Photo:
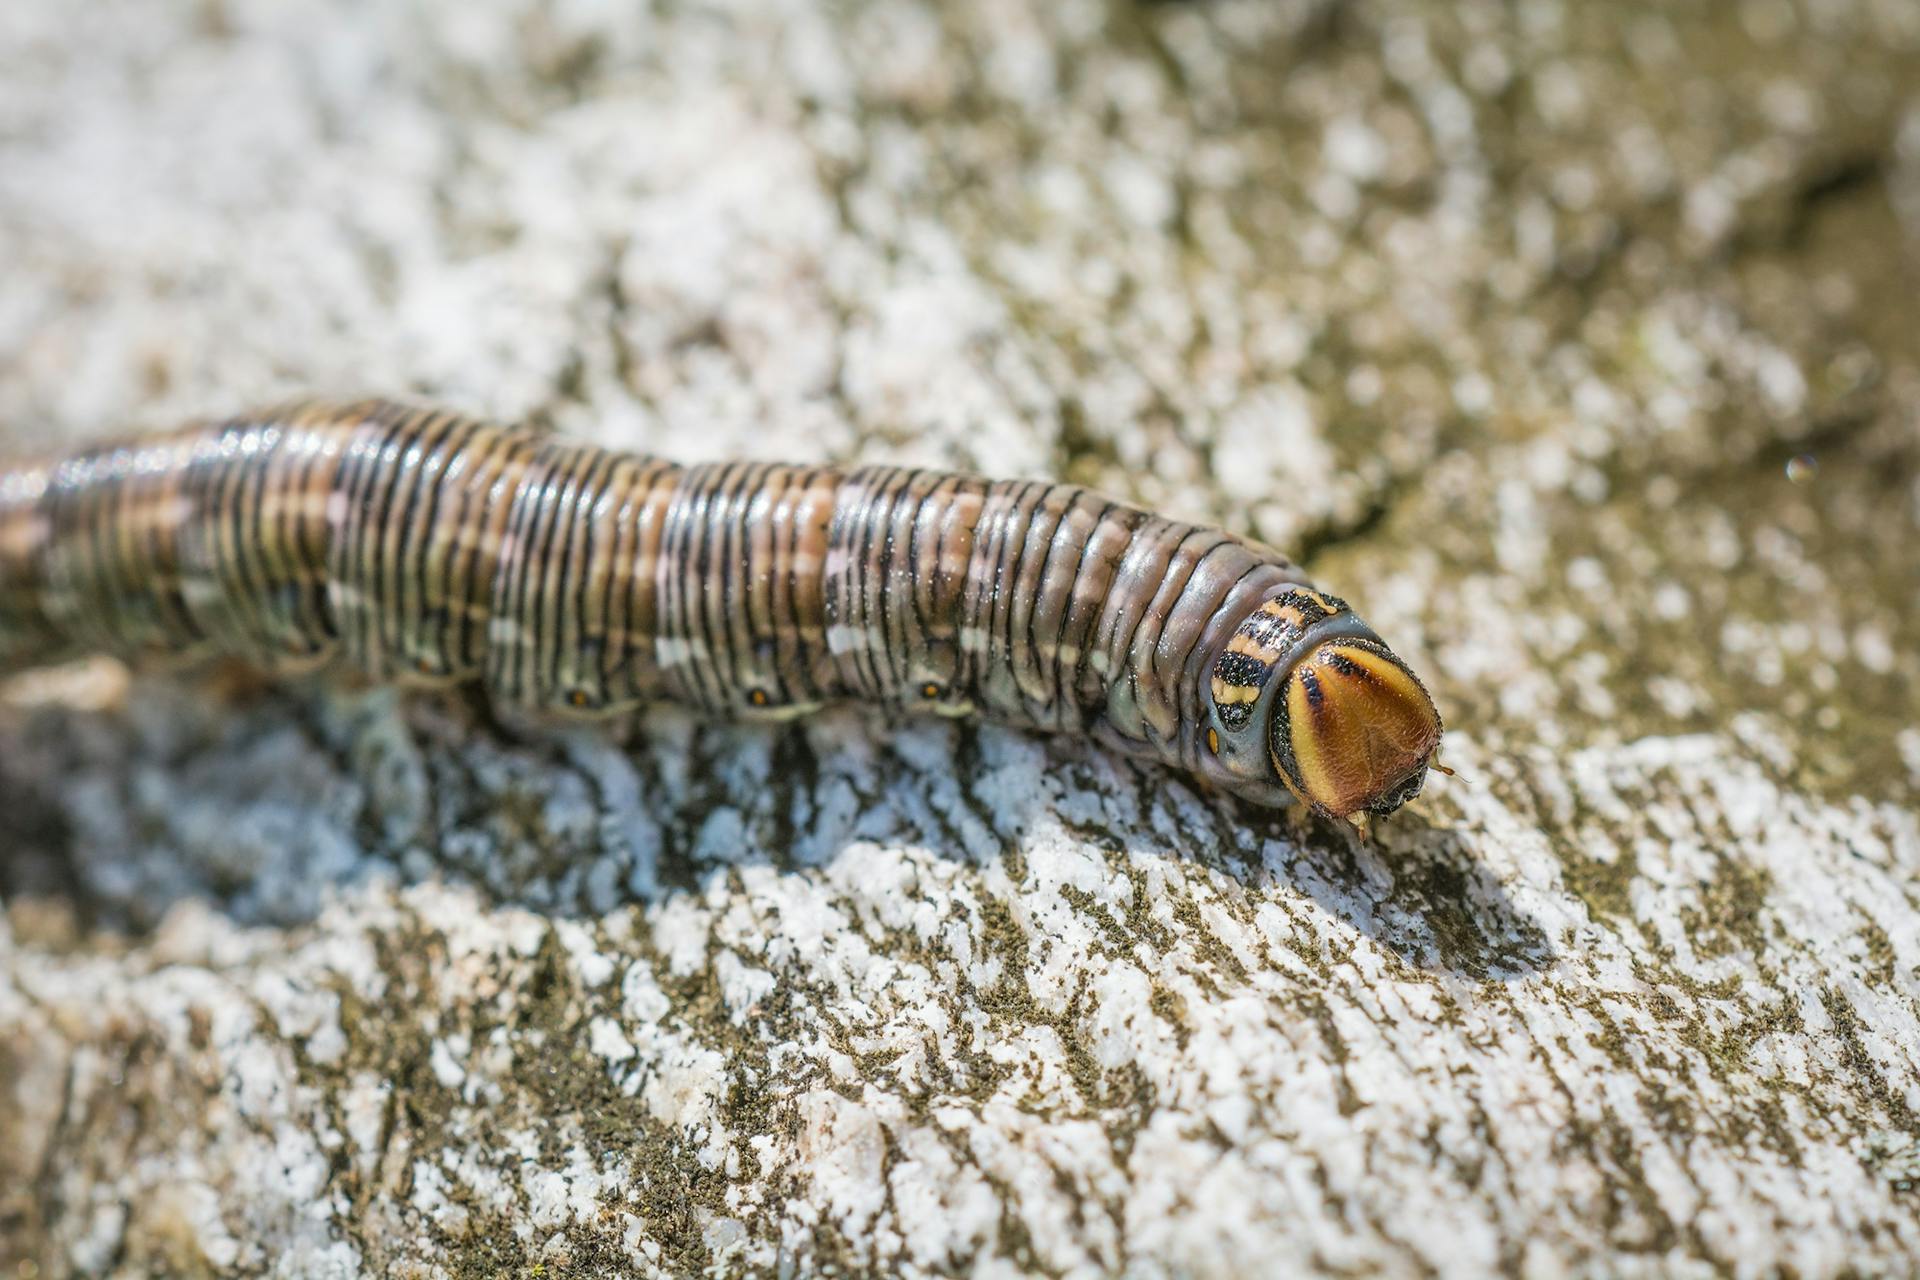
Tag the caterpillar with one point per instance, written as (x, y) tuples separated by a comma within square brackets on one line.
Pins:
[(426, 546)]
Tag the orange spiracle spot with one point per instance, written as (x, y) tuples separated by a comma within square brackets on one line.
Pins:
[(1361, 729)]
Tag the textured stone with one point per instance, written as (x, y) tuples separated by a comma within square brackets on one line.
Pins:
[(1573, 343)]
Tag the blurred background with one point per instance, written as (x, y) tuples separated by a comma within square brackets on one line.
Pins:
[(1576, 344)]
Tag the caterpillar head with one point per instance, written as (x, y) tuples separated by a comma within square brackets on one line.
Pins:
[(1305, 695)]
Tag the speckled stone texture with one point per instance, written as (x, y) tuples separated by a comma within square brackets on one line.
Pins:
[(1574, 342)]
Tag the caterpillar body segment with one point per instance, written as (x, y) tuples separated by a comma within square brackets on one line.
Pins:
[(423, 545)]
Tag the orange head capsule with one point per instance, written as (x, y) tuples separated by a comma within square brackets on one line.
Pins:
[(1353, 729), (1306, 696)]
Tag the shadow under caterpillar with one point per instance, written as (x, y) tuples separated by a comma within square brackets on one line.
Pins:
[(424, 545)]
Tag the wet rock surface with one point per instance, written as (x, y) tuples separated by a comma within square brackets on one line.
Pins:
[(1572, 343)]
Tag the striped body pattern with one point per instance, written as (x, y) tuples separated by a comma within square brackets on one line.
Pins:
[(426, 546)]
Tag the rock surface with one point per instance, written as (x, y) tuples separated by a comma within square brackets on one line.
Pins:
[(1574, 343)]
